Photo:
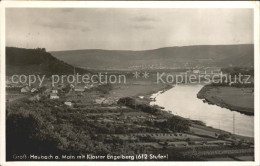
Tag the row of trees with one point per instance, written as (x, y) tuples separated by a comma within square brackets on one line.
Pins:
[(173, 123)]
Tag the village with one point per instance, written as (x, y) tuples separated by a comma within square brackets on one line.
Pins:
[(72, 91)]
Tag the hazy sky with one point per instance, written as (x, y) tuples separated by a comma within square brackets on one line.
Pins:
[(126, 29)]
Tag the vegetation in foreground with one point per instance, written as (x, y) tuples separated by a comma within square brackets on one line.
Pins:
[(47, 126), (41, 127)]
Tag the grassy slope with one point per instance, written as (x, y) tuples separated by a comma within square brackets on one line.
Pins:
[(239, 99)]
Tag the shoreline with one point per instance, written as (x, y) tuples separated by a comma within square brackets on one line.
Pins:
[(210, 99), (147, 97), (167, 87)]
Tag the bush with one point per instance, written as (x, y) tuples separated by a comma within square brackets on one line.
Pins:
[(25, 134), (104, 88), (130, 102)]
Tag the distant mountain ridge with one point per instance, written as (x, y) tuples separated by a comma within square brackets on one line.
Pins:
[(35, 61), (190, 56)]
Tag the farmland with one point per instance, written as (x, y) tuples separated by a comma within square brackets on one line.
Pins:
[(239, 99)]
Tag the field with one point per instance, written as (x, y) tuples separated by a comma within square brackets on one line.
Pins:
[(135, 90), (239, 99)]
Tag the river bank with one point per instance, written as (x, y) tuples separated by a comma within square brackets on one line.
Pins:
[(182, 101), (235, 99)]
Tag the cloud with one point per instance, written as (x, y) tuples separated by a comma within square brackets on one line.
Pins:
[(144, 19), (52, 24), (144, 27), (84, 29), (144, 22)]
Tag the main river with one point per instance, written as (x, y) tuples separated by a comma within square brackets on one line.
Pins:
[(182, 100)]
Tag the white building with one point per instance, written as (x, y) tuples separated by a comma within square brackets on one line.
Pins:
[(196, 71), (54, 91), (79, 89), (54, 96), (25, 89), (34, 90), (68, 103)]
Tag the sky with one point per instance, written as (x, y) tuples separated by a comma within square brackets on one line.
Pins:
[(126, 29)]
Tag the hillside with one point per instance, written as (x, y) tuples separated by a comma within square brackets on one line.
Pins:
[(35, 61), (170, 57)]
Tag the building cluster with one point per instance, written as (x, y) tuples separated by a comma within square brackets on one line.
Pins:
[(28, 89), (204, 71), (54, 94)]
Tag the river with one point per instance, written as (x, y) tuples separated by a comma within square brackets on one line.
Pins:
[(182, 100)]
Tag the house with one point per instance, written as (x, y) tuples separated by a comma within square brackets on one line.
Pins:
[(196, 71), (34, 90), (25, 89), (79, 89), (35, 98), (68, 103), (212, 70), (72, 86), (54, 91), (54, 96), (88, 86)]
